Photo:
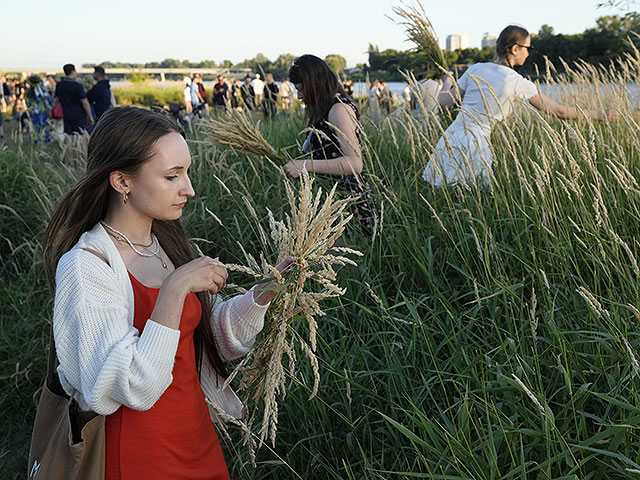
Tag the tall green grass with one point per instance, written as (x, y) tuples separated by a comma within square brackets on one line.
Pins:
[(143, 93), (488, 332)]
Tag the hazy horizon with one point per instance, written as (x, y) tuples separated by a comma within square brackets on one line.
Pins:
[(146, 31)]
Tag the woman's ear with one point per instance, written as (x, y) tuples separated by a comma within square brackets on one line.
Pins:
[(121, 182)]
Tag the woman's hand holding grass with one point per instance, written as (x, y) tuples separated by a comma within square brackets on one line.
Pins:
[(294, 168), (609, 114), (198, 275), (267, 291)]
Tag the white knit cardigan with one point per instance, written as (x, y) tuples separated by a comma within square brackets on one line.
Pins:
[(105, 362)]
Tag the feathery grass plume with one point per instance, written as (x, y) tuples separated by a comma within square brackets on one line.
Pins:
[(224, 418), (419, 30), (236, 131), (529, 394), (308, 234)]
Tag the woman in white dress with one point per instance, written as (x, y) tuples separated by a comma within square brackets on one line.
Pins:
[(374, 99), (488, 92)]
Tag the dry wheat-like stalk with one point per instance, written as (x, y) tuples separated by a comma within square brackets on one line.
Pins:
[(419, 30), (236, 131), (308, 234)]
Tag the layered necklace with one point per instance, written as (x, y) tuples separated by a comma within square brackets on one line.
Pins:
[(121, 237)]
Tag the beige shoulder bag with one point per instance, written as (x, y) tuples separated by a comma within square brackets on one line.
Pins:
[(67, 443)]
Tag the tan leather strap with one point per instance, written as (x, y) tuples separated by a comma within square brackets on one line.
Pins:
[(97, 254)]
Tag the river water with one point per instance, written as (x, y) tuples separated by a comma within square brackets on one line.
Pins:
[(361, 89), (553, 90)]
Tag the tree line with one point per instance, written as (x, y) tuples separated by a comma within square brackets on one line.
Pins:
[(260, 63), (603, 44), (607, 41)]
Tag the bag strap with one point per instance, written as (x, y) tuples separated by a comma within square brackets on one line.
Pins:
[(51, 358), (53, 381)]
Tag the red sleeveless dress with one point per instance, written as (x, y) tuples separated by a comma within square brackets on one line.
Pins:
[(175, 439)]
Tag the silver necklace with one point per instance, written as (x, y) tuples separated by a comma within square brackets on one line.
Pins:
[(121, 236)]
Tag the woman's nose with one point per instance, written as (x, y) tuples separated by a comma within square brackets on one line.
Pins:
[(188, 190)]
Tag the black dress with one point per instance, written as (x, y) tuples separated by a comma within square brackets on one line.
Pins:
[(323, 144)]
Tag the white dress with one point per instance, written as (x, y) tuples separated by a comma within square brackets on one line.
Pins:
[(374, 101), (464, 150)]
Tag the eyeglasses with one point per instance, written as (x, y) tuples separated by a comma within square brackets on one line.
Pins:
[(529, 48)]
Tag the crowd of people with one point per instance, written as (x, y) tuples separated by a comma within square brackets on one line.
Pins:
[(47, 108), (253, 94), (421, 96), (27, 101)]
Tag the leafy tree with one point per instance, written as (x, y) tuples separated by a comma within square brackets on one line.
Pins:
[(621, 4), (207, 64), (261, 59), (545, 32), (336, 62)]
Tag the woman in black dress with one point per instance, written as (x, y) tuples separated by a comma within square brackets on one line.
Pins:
[(334, 140)]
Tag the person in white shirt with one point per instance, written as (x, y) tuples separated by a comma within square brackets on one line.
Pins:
[(258, 90), (115, 240), (186, 93), (466, 153), (407, 96), (374, 98)]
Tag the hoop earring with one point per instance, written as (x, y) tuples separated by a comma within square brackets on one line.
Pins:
[(125, 198)]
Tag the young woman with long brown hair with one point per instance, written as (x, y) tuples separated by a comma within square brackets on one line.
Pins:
[(333, 142), (139, 336)]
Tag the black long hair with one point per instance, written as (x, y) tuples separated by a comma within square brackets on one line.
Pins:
[(320, 85), (123, 140)]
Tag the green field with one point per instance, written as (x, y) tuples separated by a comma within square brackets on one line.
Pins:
[(144, 93), (486, 334)]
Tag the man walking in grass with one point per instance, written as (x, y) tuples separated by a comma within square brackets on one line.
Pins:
[(76, 111), (258, 90), (100, 94), (271, 93), (220, 93), (246, 91)]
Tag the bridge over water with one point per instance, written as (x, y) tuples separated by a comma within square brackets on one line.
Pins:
[(161, 74)]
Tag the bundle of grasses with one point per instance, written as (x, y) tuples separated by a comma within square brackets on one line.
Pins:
[(236, 131), (308, 235), (419, 30)]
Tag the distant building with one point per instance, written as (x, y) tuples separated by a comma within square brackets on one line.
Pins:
[(456, 41), (488, 40)]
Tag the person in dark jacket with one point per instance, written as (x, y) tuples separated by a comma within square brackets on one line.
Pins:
[(271, 94), (248, 97), (100, 95)]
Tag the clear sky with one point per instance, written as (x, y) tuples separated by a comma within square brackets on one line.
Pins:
[(38, 33)]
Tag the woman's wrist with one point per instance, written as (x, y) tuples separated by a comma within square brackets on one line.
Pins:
[(174, 288), (264, 293), (167, 310)]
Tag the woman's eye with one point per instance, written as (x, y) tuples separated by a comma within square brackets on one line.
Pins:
[(172, 177)]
